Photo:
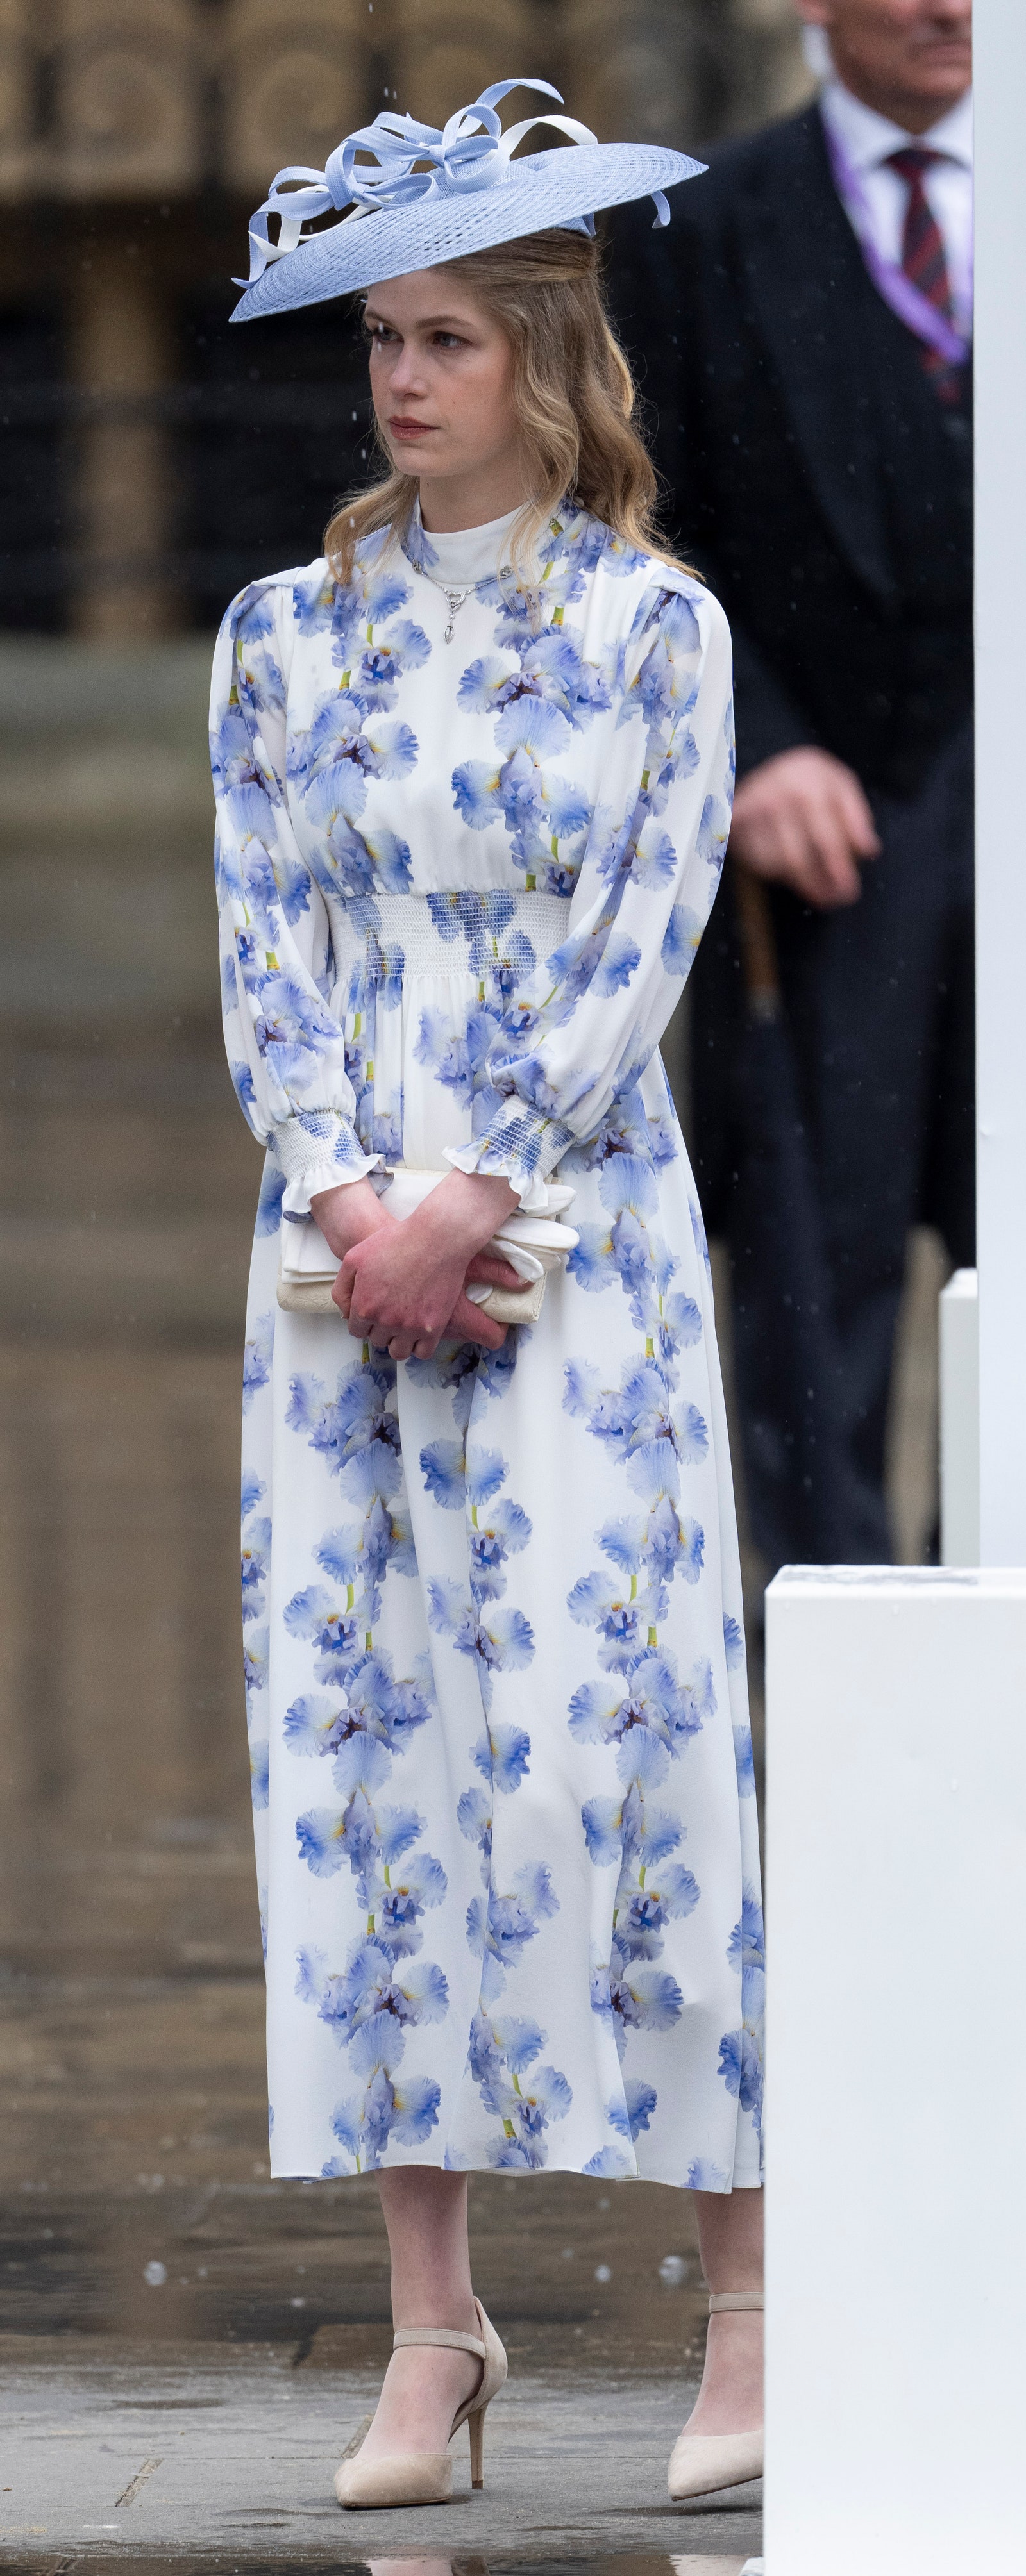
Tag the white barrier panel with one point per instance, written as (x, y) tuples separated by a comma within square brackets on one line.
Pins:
[(960, 1420), (896, 2253)]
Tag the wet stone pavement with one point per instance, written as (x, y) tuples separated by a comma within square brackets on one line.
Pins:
[(186, 2346)]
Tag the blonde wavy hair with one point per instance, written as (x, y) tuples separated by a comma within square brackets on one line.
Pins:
[(574, 397)]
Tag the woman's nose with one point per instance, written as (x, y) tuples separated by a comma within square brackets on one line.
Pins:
[(407, 373)]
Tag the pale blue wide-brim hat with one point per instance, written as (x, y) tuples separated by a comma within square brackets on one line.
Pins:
[(409, 196)]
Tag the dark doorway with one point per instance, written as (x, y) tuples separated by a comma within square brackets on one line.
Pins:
[(33, 487)]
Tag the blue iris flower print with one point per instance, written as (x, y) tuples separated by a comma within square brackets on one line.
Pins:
[(502, 1755), (256, 1364), (233, 753), (363, 606), (256, 1551), (259, 1768), (500, 1926), (744, 1760), (741, 2064), (390, 2106), (333, 1627), (634, 1994), (705, 2175), (376, 1979), (360, 1414), (634, 2113), (713, 833), (609, 2163), (681, 940), (644, 1693), (272, 1191), (544, 814), (481, 919), (523, 2096), (502, 1641), (474, 1815), (255, 1652), (386, 1989), (361, 862), (350, 744), (467, 1371), (272, 890), (733, 1642), (456, 1050), (620, 1251), (384, 663), (291, 1026)]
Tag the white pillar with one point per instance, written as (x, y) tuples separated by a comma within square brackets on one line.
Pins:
[(960, 1420), (896, 2246), (1000, 87)]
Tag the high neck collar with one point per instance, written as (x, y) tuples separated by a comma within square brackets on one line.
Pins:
[(462, 556)]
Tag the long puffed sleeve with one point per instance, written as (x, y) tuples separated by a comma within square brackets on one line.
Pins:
[(285, 1046), (582, 1029)]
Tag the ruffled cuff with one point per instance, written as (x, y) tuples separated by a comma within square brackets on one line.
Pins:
[(522, 1147), (318, 1150)]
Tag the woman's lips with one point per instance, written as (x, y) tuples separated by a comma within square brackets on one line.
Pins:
[(410, 428)]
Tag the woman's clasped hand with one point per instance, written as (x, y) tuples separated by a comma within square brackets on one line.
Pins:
[(402, 1283)]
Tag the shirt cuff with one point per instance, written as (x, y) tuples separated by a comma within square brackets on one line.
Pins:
[(318, 1150), (522, 1147)]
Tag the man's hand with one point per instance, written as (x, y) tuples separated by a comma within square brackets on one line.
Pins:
[(802, 821), (402, 1285)]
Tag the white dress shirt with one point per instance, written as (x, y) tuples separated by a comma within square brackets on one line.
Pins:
[(867, 140)]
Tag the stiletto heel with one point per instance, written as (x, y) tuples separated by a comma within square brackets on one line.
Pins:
[(703, 2462), (425, 2477)]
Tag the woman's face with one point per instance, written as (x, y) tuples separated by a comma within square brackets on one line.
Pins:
[(441, 378)]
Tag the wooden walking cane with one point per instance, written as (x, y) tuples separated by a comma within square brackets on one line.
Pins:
[(758, 945), (784, 1300)]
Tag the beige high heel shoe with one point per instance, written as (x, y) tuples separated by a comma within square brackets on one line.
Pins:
[(425, 2477), (702, 2462)]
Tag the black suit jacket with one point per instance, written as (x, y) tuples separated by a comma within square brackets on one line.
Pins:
[(816, 480)]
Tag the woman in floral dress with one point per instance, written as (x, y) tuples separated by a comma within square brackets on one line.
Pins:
[(474, 771)]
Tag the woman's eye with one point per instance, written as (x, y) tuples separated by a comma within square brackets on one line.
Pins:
[(448, 340)]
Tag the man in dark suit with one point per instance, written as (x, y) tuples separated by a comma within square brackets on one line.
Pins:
[(803, 335)]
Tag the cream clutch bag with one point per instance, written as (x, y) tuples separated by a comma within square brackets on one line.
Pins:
[(533, 1245)]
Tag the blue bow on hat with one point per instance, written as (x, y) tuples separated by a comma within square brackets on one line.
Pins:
[(438, 194), (469, 151)]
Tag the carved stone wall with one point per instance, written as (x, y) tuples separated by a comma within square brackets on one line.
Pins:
[(144, 99), (290, 82)]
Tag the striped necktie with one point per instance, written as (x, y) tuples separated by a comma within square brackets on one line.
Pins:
[(923, 257)]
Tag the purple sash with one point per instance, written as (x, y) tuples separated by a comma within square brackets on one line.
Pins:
[(911, 306)]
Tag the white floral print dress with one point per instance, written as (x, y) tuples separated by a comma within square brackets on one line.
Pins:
[(502, 1773)]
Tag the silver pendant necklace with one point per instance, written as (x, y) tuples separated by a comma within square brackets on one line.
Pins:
[(456, 599)]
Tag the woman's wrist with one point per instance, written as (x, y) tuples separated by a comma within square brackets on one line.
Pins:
[(347, 1214), (466, 1209)]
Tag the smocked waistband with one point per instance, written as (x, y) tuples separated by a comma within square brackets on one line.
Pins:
[(463, 933)]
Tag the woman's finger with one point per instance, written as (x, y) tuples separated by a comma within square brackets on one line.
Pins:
[(499, 1274), (467, 1323)]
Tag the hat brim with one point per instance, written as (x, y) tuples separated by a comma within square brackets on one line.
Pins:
[(542, 191)]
